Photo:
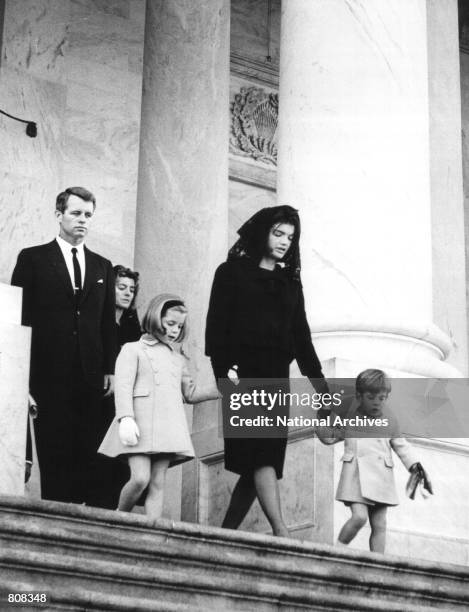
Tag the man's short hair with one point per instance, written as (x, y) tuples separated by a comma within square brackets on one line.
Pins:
[(372, 381), (62, 199)]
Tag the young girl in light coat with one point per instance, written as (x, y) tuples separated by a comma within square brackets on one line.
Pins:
[(366, 482), (150, 426)]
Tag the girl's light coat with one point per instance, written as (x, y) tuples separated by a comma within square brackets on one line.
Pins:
[(151, 381)]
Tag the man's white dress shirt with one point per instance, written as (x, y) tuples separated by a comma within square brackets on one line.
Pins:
[(66, 249)]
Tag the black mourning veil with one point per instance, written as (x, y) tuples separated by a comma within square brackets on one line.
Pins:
[(253, 236)]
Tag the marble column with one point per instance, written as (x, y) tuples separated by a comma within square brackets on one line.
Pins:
[(364, 109), (14, 382), (446, 180), (370, 153), (182, 204)]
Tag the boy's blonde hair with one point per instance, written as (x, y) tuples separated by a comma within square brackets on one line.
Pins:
[(372, 381)]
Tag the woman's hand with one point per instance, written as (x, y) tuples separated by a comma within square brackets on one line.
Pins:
[(128, 431), (233, 374), (108, 388), (320, 386)]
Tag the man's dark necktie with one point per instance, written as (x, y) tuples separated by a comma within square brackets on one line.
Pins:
[(76, 273)]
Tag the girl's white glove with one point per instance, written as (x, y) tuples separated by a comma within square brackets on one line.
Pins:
[(128, 431)]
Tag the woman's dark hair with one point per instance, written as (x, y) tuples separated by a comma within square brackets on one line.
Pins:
[(123, 272), (254, 235)]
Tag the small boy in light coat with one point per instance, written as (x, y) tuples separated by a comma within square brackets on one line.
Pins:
[(366, 482)]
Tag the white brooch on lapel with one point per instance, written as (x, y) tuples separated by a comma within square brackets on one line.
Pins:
[(100, 281)]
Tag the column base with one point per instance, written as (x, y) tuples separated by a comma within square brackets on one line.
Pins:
[(401, 349)]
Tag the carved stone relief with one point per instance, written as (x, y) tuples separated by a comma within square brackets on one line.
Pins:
[(254, 118)]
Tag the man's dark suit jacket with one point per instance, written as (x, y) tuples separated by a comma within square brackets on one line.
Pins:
[(49, 307), (73, 346)]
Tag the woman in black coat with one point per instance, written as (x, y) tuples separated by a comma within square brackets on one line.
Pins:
[(257, 324)]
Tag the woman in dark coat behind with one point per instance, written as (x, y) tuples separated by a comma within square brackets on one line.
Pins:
[(127, 324), (115, 473), (257, 323)]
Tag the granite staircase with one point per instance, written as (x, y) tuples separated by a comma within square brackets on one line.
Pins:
[(91, 559)]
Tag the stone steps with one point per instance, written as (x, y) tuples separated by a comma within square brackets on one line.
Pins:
[(91, 559)]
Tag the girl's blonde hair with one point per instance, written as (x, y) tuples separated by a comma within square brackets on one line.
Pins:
[(156, 310)]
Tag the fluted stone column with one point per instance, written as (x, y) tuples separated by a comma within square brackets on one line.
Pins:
[(370, 152), (181, 230)]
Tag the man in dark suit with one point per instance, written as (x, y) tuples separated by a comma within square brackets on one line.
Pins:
[(69, 301)]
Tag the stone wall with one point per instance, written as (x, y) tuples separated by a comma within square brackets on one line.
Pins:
[(74, 67), (255, 54)]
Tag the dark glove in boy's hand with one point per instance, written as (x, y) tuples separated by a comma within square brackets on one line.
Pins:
[(27, 471), (418, 469)]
